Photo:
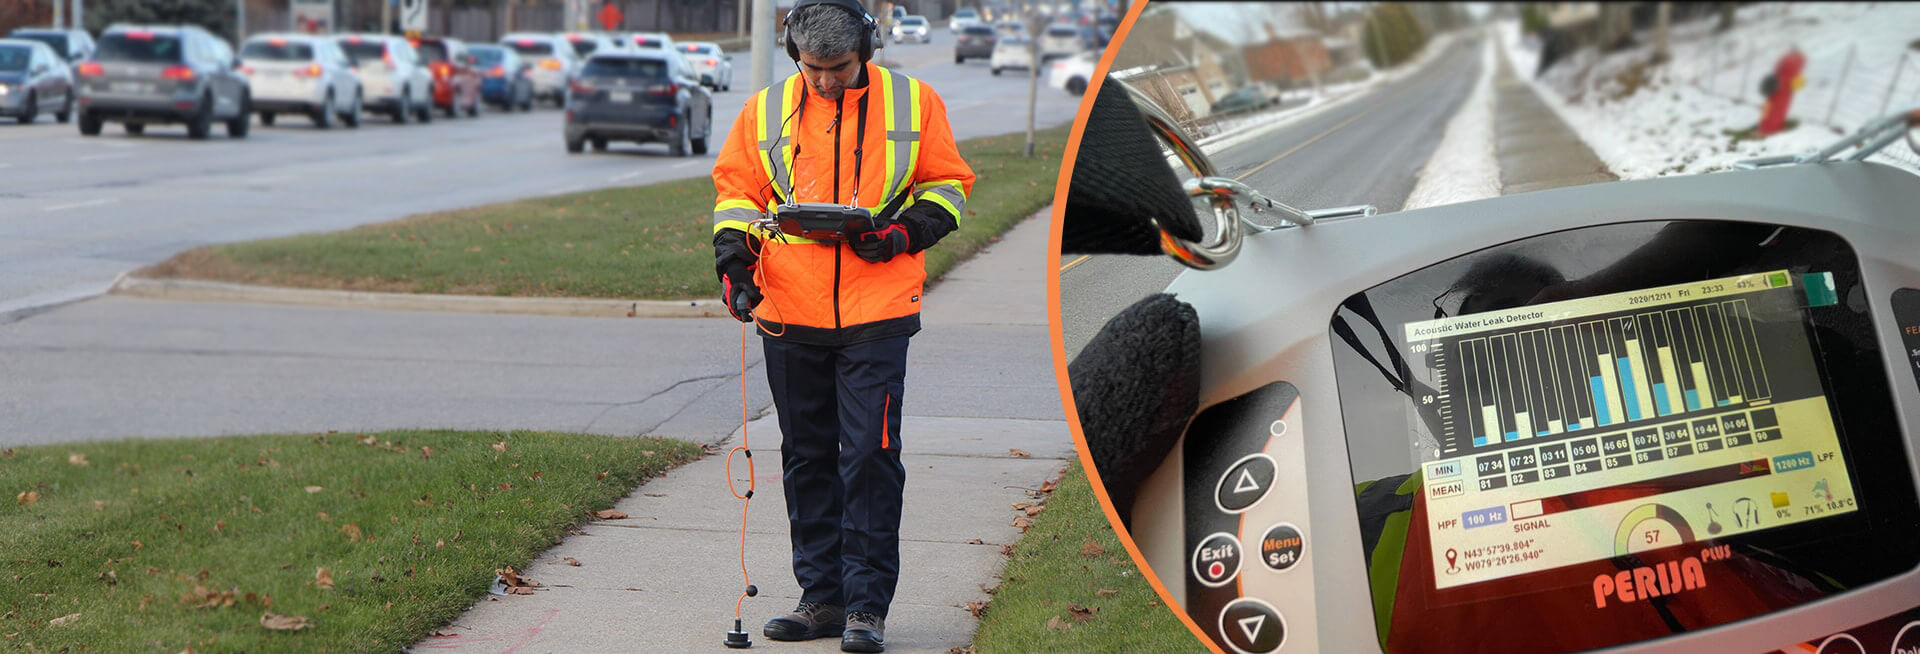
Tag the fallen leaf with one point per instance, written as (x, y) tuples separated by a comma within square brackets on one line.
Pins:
[(279, 622), (1106, 592), (322, 515), (439, 543), (1091, 549), (6, 453), (506, 486), (1081, 613), (1020, 506), (426, 452), (1056, 624), (27, 497), (1049, 486), (572, 561), (609, 514), (137, 545), (353, 533), (1022, 522), (1035, 510), (976, 607), (219, 525), (77, 459), (1006, 550), (500, 446), (601, 475), (519, 590), (314, 489), (652, 494), (100, 505), (1018, 454), (323, 579), (70, 617)]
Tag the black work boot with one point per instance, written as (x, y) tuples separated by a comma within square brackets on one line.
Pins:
[(866, 632), (808, 621)]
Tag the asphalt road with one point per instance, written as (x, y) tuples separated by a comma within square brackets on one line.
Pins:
[(1367, 151), (75, 211)]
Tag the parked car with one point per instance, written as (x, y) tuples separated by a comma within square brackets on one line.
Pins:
[(644, 97), (393, 80), (303, 74), (505, 78), (587, 43), (33, 78), (1060, 40), (1011, 52), (72, 45), (1245, 98), (142, 75), (974, 40), (554, 62), (713, 65), (1072, 74), (963, 17), (456, 85), (912, 27)]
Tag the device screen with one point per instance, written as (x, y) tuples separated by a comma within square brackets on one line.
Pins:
[(1598, 427)]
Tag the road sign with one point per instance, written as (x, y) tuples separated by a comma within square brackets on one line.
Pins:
[(610, 17), (413, 16)]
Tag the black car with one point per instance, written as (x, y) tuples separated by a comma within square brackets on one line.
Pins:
[(644, 97), (164, 74)]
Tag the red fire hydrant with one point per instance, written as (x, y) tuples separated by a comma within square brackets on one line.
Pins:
[(1779, 87)]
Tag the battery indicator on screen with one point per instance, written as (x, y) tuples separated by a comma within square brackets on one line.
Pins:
[(1777, 280)]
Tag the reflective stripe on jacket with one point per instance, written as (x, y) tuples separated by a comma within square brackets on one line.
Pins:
[(820, 292)]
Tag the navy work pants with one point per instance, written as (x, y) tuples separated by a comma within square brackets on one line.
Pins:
[(840, 421)]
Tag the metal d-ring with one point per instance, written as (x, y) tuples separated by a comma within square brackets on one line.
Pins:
[(1220, 192)]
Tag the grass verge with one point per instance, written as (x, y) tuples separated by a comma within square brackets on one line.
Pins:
[(170, 544), (1072, 588), (649, 242)]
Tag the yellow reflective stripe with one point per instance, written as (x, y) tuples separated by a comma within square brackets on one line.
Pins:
[(731, 224), (918, 121), (936, 198), (887, 109), (736, 204), (760, 122), (954, 183)]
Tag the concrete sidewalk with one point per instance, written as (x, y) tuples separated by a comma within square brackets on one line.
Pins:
[(665, 579), (1537, 150)]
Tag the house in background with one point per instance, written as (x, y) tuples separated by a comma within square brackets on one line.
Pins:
[(1183, 68), (1289, 56)]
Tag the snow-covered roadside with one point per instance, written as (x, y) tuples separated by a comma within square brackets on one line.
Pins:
[(1257, 126), (1464, 167), (1650, 121)]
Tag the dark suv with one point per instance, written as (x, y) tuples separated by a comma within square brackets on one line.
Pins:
[(645, 97), (163, 74)]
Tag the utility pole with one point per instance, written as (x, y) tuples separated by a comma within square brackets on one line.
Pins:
[(56, 14), (79, 14), (386, 16), (741, 28), (762, 43), (240, 28), (1033, 78)]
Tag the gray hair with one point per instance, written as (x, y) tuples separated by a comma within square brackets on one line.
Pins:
[(825, 32)]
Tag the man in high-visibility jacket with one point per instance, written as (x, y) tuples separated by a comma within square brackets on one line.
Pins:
[(835, 315)]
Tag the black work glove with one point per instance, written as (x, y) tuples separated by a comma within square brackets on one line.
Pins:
[(735, 263), (880, 246)]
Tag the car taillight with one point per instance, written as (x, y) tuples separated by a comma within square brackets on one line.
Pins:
[(92, 69), (664, 90), (312, 70), (580, 87), (550, 63), (441, 70), (712, 62), (140, 36), (181, 73), (524, 43), (498, 71), (246, 70)]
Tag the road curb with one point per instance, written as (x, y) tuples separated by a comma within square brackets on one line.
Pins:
[(191, 290)]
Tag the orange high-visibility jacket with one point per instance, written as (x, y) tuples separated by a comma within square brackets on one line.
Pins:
[(821, 292)]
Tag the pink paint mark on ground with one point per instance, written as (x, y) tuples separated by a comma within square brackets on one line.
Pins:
[(452, 641), (531, 632)]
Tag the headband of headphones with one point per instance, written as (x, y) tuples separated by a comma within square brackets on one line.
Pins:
[(869, 34)]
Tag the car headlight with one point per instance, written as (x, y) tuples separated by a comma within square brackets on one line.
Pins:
[(3, 89)]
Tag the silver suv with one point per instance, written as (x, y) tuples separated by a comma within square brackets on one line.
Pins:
[(393, 79), (163, 74)]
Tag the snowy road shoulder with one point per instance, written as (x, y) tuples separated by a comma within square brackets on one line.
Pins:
[(1464, 167)]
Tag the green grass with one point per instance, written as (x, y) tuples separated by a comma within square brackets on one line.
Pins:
[(138, 538), (645, 242), (1053, 570)]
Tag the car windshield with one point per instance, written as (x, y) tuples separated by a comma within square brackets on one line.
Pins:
[(1062, 31), (912, 21), (360, 51), (432, 52), (965, 13), (531, 47), (584, 47), (13, 58), (487, 56), (979, 30), (626, 67), (53, 40), (276, 50), (138, 46), (1013, 41)]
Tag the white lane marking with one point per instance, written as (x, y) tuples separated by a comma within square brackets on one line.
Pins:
[(77, 205), (688, 163), (103, 157), (626, 176)]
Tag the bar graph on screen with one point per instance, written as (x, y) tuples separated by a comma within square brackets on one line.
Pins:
[(1599, 372)]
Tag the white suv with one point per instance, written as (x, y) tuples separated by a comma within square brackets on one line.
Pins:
[(304, 74), (393, 79), (553, 59)]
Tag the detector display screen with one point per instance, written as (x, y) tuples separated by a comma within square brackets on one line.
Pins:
[(1604, 426)]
